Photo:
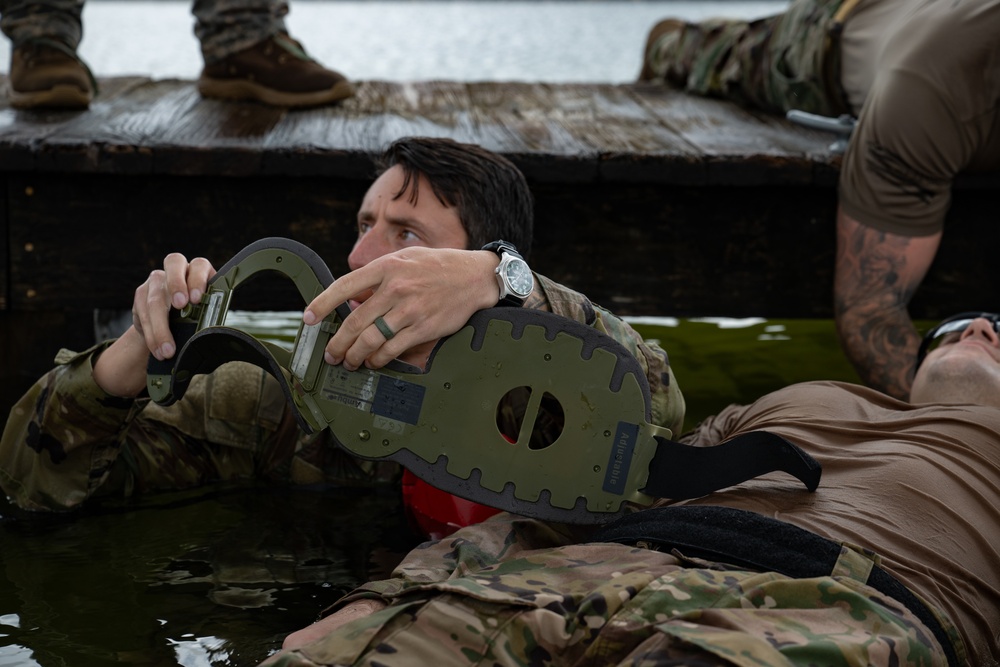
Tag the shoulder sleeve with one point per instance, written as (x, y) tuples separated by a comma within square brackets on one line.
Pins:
[(67, 440), (62, 436), (668, 405), (907, 148)]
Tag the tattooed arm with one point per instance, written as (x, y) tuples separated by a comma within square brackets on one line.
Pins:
[(876, 275)]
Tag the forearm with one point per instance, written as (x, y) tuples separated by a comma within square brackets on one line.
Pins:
[(881, 344), (876, 275), (120, 370)]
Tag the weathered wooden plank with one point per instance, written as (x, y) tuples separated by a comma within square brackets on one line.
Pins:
[(342, 141), (739, 147), (628, 140), (398, 113), (109, 137), (607, 119), (518, 119), (196, 136), (25, 135), (555, 132)]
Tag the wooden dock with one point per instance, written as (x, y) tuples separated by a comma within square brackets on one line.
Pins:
[(648, 200)]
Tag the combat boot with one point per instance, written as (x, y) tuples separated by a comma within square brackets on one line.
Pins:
[(47, 73), (276, 71)]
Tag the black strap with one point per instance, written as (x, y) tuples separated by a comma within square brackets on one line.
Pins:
[(681, 471), (182, 333), (203, 352), (760, 543)]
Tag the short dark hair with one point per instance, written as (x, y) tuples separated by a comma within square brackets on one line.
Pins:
[(491, 195)]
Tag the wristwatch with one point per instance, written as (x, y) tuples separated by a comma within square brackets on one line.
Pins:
[(513, 275)]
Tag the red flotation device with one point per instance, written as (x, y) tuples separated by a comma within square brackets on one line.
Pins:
[(436, 513)]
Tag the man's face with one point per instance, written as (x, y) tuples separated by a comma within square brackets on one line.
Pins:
[(386, 224), (963, 368)]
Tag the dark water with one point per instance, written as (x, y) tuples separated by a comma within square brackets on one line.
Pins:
[(220, 577), (208, 580)]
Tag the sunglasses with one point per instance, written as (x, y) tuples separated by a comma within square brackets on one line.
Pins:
[(951, 329)]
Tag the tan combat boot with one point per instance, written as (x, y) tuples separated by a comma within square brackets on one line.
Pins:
[(47, 73), (277, 72)]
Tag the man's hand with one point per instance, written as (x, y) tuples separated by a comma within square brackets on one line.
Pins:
[(422, 294), (121, 369), (179, 282), (324, 626), (876, 275)]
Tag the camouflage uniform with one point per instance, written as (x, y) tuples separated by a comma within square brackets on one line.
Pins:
[(782, 62), (511, 591), (223, 27), (66, 440), (22, 20)]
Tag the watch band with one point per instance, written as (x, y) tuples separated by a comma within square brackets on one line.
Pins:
[(510, 294)]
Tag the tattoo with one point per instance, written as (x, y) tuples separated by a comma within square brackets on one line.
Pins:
[(872, 287), (537, 300)]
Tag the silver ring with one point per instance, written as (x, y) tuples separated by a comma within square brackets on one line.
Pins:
[(384, 328)]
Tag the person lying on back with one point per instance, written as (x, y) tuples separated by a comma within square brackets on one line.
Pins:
[(891, 562)]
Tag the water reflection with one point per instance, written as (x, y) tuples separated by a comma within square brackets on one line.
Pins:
[(187, 579), (201, 652), (16, 656)]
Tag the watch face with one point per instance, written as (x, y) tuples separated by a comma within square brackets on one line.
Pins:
[(519, 277)]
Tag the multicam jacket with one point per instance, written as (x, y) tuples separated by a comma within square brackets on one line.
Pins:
[(66, 440), (516, 592)]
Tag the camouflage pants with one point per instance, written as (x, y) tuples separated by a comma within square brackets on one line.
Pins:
[(603, 604), (782, 62), (223, 27)]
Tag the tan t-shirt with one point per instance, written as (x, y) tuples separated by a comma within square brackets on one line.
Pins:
[(861, 43), (933, 110), (918, 484)]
